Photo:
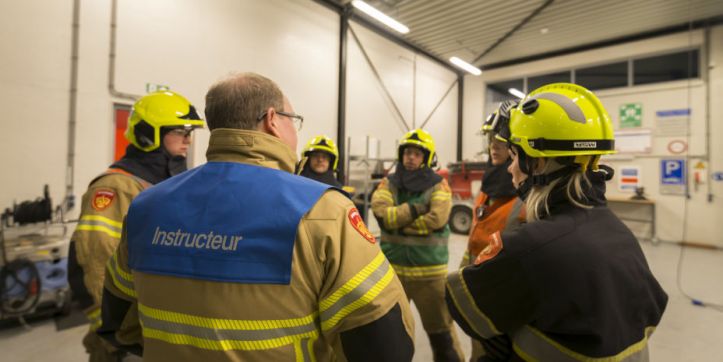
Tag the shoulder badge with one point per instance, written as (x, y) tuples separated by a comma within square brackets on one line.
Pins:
[(358, 224), (492, 249), (102, 199)]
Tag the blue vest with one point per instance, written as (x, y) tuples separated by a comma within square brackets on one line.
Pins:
[(223, 221)]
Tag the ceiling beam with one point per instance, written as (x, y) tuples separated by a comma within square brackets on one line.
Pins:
[(697, 24)]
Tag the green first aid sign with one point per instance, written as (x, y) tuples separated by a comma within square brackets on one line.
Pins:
[(631, 115)]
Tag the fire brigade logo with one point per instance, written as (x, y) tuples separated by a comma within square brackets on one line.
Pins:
[(358, 224), (102, 199), (492, 249)]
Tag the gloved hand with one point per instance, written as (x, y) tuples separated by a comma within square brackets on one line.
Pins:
[(417, 210)]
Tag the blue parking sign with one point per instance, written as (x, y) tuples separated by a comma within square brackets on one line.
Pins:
[(672, 172)]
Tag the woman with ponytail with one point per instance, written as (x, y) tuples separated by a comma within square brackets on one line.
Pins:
[(572, 283)]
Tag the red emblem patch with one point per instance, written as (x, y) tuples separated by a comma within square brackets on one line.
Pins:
[(358, 224), (492, 249), (102, 199)]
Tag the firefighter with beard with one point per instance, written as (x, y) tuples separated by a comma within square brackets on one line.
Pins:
[(572, 283), (497, 206), (412, 206), (159, 132), (319, 160)]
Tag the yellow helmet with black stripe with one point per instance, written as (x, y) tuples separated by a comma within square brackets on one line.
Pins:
[(325, 144), (422, 139), (158, 110), (560, 119)]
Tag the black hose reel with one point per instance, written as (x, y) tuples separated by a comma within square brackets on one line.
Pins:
[(20, 287)]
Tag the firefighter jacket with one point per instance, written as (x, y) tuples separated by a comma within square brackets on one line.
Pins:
[(573, 286), (97, 235), (491, 216), (239, 259), (414, 228)]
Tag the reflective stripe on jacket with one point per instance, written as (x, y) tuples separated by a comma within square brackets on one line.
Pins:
[(416, 245), (339, 279), (563, 288)]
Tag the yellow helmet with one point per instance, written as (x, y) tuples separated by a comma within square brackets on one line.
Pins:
[(324, 144), (422, 139), (560, 119), (155, 111)]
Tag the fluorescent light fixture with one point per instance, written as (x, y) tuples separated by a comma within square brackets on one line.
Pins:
[(466, 66), (517, 93), (376, 14)]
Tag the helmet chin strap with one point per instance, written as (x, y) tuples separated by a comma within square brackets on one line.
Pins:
[(528, 164)]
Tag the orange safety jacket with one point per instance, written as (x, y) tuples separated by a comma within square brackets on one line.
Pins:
[(499, 215)]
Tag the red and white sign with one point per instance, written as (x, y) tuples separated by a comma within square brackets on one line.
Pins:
[(629, 178)]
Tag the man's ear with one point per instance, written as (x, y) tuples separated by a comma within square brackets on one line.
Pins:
[(270, 123)]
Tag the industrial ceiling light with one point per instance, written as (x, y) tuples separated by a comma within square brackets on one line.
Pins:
[(376, 14), (517, 93), (466, 66)]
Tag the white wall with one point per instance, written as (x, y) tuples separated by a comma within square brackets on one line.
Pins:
[(369, 112), (34, 88), (188, 45), (678, 218)]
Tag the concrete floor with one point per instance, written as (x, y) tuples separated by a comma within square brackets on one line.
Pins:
[(687, 332)]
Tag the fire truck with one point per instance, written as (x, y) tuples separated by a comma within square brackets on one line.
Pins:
[(465, 179)]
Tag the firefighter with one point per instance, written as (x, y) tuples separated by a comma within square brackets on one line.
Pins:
[(158, 131), (240, 260), (319, 160), (572, 283), (412, 206), (497, 206)]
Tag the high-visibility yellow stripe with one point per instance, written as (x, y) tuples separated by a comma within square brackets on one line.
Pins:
[(298, 351), (106, 220), (100, 228), (117, 274), (310, 348), (95, 313), (420, 271), (441, 198), (465, 305), (122, 273), (354, 282), (395, 216), (422, 226), (364, 300), (94, 319), (129, 292), (391, 217), (223, 345), (536, 346), (304, 350), (217, 323)]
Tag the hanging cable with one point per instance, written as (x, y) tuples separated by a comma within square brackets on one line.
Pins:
[(683, 247)]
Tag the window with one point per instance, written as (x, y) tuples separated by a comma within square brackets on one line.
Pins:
[(668, 67), (540, 80), (502, 88), (603, 76), (500, 92)]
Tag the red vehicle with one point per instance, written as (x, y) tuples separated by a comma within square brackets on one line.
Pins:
[(461, 176)]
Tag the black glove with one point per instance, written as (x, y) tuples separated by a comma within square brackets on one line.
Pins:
[(417, 210)]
